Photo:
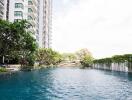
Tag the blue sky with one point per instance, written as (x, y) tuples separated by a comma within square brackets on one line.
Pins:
[(102, 26)]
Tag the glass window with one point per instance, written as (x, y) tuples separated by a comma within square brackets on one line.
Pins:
[(19, 5), (30, 2), (30, 18), (30, 10), (18, 13)]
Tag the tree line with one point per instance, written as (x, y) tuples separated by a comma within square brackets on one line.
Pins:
[(18, 46), (115, 59), (83, 56), (16, 42)]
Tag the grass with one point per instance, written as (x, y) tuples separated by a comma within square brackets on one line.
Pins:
[(3, 69)]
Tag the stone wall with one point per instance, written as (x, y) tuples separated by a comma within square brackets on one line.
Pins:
[(123, 67)]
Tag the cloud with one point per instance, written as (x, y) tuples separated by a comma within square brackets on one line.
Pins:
[(65, 1), (103, 26)]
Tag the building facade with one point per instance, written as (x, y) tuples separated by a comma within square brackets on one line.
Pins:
[(45, 23), (3, 4), (25, 9), (37, 12)]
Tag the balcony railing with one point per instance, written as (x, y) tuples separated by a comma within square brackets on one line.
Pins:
[(1, 2), (1, 12), (35, 2), (33, 8)]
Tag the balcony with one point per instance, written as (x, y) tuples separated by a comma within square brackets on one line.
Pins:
[(32, 4), (1, 13), (19, 1), (33, 8), (32, 22), (2, 2), (35, 2), (1, 7), (33, 15)]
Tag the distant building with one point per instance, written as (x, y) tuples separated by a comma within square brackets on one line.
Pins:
[(37, 12)]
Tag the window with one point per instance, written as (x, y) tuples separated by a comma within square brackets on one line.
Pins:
[(19, 5), (30, 10), (30, 18), (17, 20), (18, 13), (30, 2)]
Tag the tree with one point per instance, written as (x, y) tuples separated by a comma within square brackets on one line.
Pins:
[(82, 53), (85, 57), (16, 39), (69, 56), (26, 45), (46, 56), (6, 38), (87, 61)]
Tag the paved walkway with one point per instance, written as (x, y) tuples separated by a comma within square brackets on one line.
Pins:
[(69, 64), (13, 67)]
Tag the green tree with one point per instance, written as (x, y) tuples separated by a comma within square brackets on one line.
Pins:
[(85, 57), (26, 45), (6, 38), (46, 56), (87, 61), (69, 56), (16, 39), (82, 53)]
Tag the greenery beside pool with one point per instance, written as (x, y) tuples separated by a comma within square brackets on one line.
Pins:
[(18, 46), (3, 70), (115, 59)]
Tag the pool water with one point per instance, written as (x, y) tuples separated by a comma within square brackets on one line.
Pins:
[(66, 84)]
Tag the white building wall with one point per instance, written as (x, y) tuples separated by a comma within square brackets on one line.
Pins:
[(42, 20), (41, 25), (45, 23), (12, 9), (3, 9), (5, 6), (25, 12)]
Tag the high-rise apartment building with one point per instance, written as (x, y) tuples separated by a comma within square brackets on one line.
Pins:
[(25, 9), (45, 23), (3, 4), (37, 12)]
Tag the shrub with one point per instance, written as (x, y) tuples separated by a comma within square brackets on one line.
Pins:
[(115, 59), (3, 69), (87, 61)]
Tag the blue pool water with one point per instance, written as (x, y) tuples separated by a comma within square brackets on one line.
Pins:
[(66, 84)]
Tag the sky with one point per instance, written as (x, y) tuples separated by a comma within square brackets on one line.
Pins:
[(104, 27)]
